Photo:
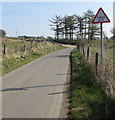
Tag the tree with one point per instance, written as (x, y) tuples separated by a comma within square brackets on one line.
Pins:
[(2, 33), (85, 24), (56, 23), (69, 26), (90, 29), (80, 25)]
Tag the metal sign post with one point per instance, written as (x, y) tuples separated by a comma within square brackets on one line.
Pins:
[(101, 17), (101, 42)]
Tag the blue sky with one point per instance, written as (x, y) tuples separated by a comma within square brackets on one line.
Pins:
[(32, 18)]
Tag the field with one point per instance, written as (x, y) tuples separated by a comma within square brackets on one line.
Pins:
[(17, 53), (107, 51)]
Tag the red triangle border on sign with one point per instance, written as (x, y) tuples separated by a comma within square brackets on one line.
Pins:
[(101, 21)]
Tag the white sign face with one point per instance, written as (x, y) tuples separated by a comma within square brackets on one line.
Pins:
[(100, 17)]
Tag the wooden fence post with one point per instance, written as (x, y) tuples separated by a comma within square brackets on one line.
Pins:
[(88, 53), (24, 48), (35, 43), (78, 47), (4, 49), (96, 62), (31, 45), (21, 47), (15, 48), (83, 49)]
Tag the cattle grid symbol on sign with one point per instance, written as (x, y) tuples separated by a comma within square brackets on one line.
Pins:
[(100, 17)]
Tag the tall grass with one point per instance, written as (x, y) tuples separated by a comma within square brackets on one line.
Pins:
[(87, 99), (105, 70), (13, 61)]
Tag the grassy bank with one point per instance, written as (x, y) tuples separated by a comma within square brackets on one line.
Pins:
[(14, 61), (87, 99)]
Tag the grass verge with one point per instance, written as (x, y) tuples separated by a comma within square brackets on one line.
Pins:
[(87, 99), (11, 63)]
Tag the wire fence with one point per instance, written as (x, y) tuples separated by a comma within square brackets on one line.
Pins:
[(12, 48), (103, 69)]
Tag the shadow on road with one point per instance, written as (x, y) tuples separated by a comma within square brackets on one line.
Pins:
[(13, 89), (26, 88), (62, 56), (58, 56), (58, 93)]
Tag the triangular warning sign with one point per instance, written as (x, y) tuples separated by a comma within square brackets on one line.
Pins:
[(100, 17)]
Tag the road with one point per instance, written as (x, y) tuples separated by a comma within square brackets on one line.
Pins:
[(36, 89)]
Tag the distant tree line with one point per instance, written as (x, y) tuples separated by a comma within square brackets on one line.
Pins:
[(80, 26), (2, 33)]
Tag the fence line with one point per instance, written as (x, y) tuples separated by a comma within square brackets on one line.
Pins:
[(103, 73), (27, 47)]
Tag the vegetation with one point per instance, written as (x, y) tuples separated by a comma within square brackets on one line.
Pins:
[(2, 33), (14, 61), (66, 41), (56, 23), (87, 99), (11, 44), (65, 27), (13, 38)]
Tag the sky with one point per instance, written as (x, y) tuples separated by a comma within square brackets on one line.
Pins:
[(32, 18)]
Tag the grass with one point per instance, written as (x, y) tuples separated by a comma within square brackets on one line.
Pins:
[(87, 99), (108, 50), (13, 62), (12, 44), (10, 64), (14, 38)]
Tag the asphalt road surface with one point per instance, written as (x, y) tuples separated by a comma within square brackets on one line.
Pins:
[(36, 89)]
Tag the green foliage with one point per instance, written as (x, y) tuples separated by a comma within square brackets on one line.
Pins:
[(10, 64), (86, 94)]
